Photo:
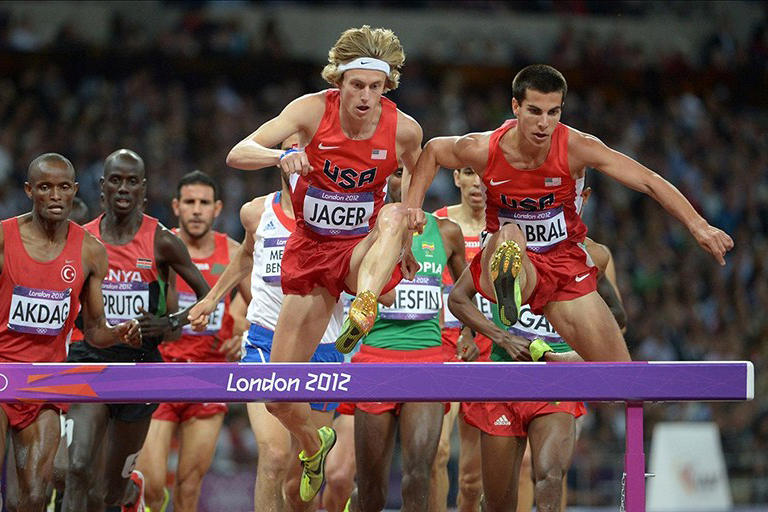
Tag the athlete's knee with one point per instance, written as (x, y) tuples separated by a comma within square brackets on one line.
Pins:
[(80, 469), (280, 411), (512, 231), (392, 218), (188, 487), (416, 480), (273, 461), (470, 485), (548, 486), (443, 452), (339, 479)]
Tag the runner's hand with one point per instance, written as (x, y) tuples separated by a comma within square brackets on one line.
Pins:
[(128, 332), (466, 348), (152, 325), (200, 314), (232, 348), (713, 240), (295, 161), (416, 219), (516, 346), (408, 264)]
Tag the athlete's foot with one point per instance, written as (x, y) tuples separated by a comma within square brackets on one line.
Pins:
[(505, 267), (138, 505), (166, 501), (313, 468), (359, 322)]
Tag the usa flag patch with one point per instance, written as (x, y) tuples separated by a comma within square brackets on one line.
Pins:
[(552, 182), (379, 154), (144, 263)]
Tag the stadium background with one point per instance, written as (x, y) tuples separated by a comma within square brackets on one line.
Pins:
[(681, 86)]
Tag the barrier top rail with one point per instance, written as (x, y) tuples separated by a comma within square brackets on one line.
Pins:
[(301, 382)]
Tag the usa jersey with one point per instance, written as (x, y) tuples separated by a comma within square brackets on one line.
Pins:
[(543, 201), (343, 194)]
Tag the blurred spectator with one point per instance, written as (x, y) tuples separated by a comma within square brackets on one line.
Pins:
[(183, 96)]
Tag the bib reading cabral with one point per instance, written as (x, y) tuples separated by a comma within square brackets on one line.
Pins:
[(543, 201)]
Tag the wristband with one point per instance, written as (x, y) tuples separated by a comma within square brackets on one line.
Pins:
[(174, 322), (538, 348), (288, 152)]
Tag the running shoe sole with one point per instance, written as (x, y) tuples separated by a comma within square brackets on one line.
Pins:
[(505, 267)]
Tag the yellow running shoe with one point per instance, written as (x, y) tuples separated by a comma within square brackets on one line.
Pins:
[(538, 348), (362, 315), (313, 468), (505, 267)]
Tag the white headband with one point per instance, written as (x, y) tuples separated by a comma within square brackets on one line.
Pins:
[(365, 63)]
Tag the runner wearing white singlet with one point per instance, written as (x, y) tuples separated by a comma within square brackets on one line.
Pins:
[(268, 222)]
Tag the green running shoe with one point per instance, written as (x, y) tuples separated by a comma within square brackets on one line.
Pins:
[(313, 468)]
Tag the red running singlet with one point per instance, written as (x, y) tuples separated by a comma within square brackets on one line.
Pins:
[(38, 300)]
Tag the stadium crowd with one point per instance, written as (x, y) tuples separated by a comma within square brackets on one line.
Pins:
[(701, 120)]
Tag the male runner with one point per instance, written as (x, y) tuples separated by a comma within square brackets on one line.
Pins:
[(532, 168), (470, 215), (196, 205), (549, 426), (142, 253), (268, 222), (49, 268), (351, 140)]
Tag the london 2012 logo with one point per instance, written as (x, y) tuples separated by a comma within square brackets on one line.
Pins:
[(68, 273), (3, 382)]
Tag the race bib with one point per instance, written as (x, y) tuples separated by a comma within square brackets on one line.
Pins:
[(449, 320), (338, 213), (122, 300), (187, 299), (36, 311), (272, 256), (419, 299), (542, 229), (530, 326)]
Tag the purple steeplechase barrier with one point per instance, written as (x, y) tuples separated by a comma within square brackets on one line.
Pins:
[(632, 383)]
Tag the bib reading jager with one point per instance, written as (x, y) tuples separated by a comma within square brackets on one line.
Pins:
[(343, 194), (542, 201), (38, 300)]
